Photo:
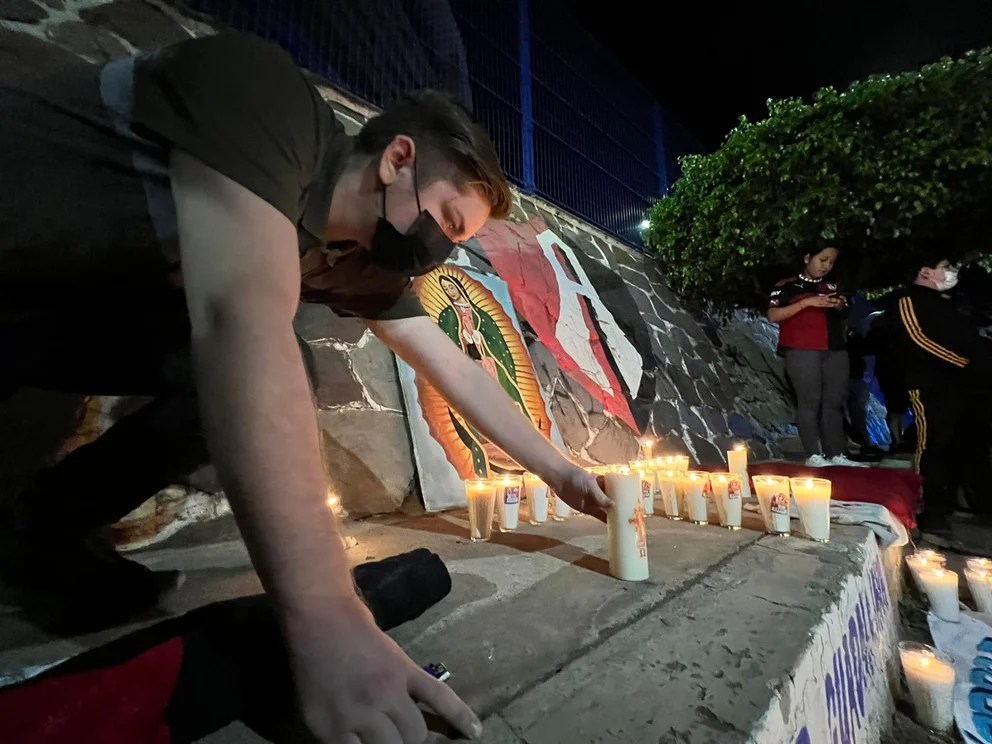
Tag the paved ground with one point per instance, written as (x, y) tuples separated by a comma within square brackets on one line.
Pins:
[(544, 643)]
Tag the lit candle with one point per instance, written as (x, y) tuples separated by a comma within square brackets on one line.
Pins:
[(560, 511), (481, 497), (773, 498), (625, 527), (737, 463), (979, 564), (930, 678), (647, 445), (670, 493), (537, 498), (694, 484), (813, 499), (941, 587), (682, 463), (508, 502), (727, 492), (922, 559), (647, 489), (980, 586)]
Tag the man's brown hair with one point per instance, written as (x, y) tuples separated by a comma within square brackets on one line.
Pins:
[(451, 144)]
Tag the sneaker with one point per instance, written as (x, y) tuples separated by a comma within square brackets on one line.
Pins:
[(818, 461), (845, 462)]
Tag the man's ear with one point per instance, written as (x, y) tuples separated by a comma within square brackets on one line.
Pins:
[(926, 273), (397, 155)]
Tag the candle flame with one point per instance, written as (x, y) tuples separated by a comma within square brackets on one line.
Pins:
[(721, 479), (809, 483), (333, 501), (738, 447), (924, 658)]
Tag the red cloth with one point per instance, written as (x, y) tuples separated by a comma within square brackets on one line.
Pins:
[(896, 490), (120, 704)]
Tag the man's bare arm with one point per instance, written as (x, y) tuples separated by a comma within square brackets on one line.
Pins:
[(241, 271), (476, 395)]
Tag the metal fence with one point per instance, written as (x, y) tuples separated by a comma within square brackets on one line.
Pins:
[(569, 123)]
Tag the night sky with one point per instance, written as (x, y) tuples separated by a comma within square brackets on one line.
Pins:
[(718, 64)]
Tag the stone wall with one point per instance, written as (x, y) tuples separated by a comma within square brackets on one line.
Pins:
[(702, 384)]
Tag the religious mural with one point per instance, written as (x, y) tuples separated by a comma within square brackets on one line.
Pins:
[(476, 313), (552, 292)]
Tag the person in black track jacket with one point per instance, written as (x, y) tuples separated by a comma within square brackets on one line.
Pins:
[(944, 359)]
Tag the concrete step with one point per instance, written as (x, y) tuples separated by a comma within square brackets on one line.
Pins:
[(737, 636)]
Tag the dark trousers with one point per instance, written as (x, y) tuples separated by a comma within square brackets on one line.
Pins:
[(820, 381), (942, 438), (124, 350)]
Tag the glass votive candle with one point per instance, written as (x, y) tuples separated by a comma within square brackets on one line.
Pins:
[(626, 536), (941, 587), (480, 493), (979, 564), (930, 678), (728, 489), (813, 500), (694, 482), (921, 560), (536, 491), (773, 498), (508, 502), (669, 482), (647, 489), (980, 586)]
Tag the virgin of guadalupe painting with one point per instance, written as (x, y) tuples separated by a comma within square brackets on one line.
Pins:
[(474, 311)]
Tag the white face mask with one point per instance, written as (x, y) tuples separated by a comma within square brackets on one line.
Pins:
[(949, 281)]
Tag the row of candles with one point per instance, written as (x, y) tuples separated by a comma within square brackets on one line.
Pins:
[(929, 673), (663, 485)]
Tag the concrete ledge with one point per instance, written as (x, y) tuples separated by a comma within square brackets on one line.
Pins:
[(736, 637)]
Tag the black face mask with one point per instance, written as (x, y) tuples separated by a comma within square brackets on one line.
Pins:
[(422, 248)]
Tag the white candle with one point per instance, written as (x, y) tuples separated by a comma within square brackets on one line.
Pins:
[(980, 586), (670, 493), (773, 498), (647, 490), (537, 498), (737, 463), (979, 564), (480, 494), (560, 511), (625, 527), (694, 484), (727, 492), (922, 559), (941, 587), (813, 499), (508, 502), (930, 678), (647, 445)]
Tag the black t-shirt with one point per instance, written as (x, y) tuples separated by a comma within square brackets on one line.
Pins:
[(92, 218)]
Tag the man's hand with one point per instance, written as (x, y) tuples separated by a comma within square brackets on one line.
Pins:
[(372, 696), (580, 490)]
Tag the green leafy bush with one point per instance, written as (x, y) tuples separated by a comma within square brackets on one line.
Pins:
[(893, 169)]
